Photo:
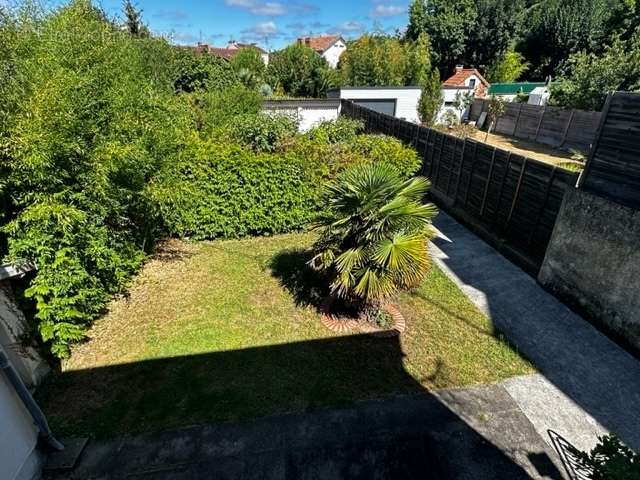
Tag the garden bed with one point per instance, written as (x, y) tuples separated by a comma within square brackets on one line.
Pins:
[(230, 330)]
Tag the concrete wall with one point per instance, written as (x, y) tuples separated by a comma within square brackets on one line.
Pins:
[(406, 98), (308, 113), (593, 263), (451, 95)]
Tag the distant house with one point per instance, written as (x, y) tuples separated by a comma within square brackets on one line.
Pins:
[(509, 91), (465, 83), (230, 50), (329, 47)]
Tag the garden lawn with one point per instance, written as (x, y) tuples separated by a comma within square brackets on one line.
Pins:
[(228, 330)]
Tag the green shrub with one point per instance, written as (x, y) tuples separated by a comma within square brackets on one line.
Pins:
[(197, 72), (610, 460), (217, 108), (216, 190), (263, 132), (381, 148), (336, 131)]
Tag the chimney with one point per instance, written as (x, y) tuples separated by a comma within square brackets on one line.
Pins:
[(459, 68)]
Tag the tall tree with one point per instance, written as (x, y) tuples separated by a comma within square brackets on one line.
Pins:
[(374, 60), (298, 71), (496, 28), (417, 19), (133, 20), (448, 23)]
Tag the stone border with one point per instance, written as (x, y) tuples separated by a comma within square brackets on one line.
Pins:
[(342, 325)]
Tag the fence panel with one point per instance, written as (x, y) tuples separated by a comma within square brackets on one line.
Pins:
[(510, 200), (551, 126), (613, 169)]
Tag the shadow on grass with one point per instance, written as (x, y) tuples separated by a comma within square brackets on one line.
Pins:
[(392, 437), (307, 286)]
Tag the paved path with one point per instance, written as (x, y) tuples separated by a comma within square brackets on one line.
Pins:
[(476, 434), (587, 384)]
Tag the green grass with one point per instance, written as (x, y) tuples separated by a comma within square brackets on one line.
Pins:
[(228, 330)]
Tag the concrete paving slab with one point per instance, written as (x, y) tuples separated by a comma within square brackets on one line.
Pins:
[(587, 384), (477, 433)]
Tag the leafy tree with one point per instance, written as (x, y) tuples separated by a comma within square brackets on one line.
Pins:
[(430, 98), (610, 459), (299, 71), (495, 110), (374, 60), (509, 67), (419, 61), (558, 28), (133, 20), (196, 72), (497, 27), (248, 64), (589, 77), (373, 235), (448, 23), (417, 20)]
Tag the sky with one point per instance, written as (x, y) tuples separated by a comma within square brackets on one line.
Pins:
[(270, 23)]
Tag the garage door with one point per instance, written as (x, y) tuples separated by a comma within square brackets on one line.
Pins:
[(387, 106)]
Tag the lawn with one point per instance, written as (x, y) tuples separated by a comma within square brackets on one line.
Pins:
[(228, 330)]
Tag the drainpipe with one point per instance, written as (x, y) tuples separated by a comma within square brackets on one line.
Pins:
[(38, 417)]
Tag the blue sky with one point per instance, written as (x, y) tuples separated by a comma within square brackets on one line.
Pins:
[(271, 23)]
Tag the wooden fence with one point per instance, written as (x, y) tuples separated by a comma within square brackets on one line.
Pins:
[(509, 200), (613, 168), (551, 126)]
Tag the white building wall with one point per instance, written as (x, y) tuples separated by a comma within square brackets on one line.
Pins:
[(18, 436), (334, 52), (449, 97), (406, 98), (307, 116)]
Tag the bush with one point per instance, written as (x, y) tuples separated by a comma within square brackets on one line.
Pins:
[(197, 72), (610, 460), (336, 131), (381, 148), (263, 132), (226, 191), (217, 108)]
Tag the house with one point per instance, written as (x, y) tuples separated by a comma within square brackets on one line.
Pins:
[(459, 90), (399, 102), (329, 47), (509, 91), (21, 368), (230, 50)]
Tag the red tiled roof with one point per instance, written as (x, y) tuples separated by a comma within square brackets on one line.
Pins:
[(319, 44), (226, 53), (459, 78)]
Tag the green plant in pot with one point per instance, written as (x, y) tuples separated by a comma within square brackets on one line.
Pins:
[(373, 237)]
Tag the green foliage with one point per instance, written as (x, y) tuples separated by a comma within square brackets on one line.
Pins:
[(417, 19), (299, 71), (447, 23), (263, 132), (214, 190), (507, 68), (94, 121), (557, 28), (589, 77), (215, 109), (611, 460), (383, 149), (336, 131), (373, 61), (197, 72), (419, 62), (374, 233), (248, 58), (430, 99), (133, 20)]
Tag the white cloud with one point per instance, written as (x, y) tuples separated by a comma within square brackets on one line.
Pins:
[(262, 29), (387, 11), (266, 9)]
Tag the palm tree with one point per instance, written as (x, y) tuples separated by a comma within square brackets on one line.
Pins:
[(374, 234)]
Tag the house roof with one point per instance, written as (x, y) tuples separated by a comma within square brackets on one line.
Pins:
[(513, 88), (319, 44), (225, 53), (461, 76)]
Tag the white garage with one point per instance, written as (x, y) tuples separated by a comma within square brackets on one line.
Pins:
[(400, 102)]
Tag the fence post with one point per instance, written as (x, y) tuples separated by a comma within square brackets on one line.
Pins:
[(435, 180), (539, 124), (464, 147), (486, 187), (517, 192), (473, 162), (515, 126), (542, 207), (566, 130), (502, 184), (425, 152)]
